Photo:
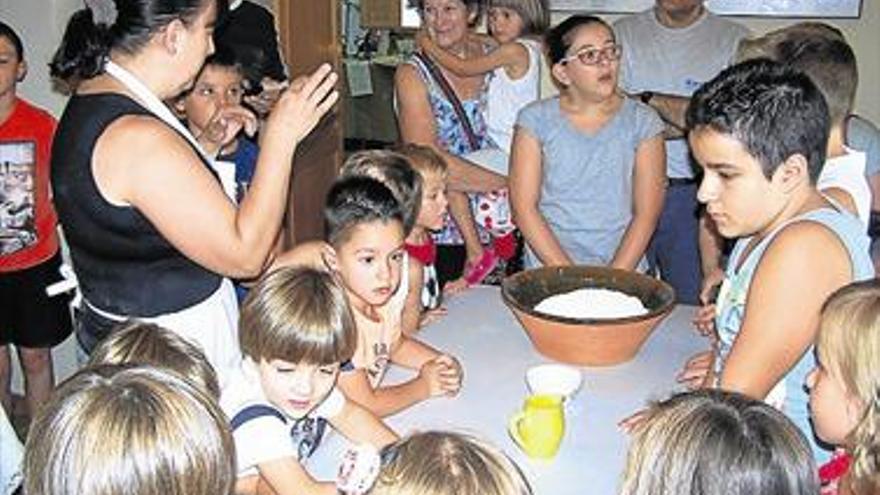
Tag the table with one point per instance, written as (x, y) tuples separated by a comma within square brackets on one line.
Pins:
[(495, 353)]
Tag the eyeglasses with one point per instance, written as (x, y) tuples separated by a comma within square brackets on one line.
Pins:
[(595, 56)]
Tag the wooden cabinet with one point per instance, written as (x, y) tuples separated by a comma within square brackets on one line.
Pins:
[(310, 35)]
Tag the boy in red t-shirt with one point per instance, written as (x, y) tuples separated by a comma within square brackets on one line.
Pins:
[(29, 257)]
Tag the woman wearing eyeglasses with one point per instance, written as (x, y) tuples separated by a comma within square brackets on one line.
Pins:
[(587, 175)]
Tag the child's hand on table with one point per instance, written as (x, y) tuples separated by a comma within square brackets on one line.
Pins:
[(442, 376), (456, 286), (704, 320), (632, 422), (431, 315), (699, 371)]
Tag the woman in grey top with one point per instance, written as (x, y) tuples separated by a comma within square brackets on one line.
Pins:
[(587, 176)]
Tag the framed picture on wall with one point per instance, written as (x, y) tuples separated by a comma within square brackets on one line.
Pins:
[(760, 8)]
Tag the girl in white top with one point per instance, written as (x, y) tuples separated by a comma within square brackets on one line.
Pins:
[(514, 81)]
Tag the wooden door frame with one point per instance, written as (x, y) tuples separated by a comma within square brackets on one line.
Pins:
[(310, 35)]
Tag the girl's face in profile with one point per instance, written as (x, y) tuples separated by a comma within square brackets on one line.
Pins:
[(434, 202), (834, 411)]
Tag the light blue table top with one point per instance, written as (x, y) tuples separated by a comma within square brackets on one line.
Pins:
[(495, 353)]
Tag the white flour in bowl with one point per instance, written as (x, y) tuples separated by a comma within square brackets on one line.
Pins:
[(592, 303)]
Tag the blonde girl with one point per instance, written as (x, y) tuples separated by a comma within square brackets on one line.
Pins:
[(424, 297), (515, 81), (111, 430), (444, 463), (845, 388)]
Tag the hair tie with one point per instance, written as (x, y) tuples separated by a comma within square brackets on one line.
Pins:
[(103, 11)]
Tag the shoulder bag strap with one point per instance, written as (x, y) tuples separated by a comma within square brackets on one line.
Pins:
[(444, 85)]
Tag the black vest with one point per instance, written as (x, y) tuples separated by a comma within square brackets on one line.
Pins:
[(123, 263)]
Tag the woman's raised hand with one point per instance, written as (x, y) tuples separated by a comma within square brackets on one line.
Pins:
[(301, 106)]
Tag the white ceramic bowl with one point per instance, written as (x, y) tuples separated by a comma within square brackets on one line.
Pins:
[(557, 379)]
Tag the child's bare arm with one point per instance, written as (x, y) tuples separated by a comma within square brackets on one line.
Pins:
[(286, 476), (412, 306), (649, 188), (383, 401), (314, 254), (411, 353), (514, 57), (360, 425), (782, 309), (525, 190)]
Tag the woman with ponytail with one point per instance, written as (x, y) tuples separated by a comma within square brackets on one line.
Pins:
[(152, 234)]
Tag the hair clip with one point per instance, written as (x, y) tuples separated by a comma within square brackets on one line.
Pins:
[(103, 11)]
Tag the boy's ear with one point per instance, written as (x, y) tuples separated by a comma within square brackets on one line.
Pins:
[(178, 104), (328, 256), (793, 172), (21, 72)]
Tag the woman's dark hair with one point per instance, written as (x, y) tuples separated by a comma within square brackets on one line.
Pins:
[(87, 41), (559, 38), (357, 200), (7, 32)]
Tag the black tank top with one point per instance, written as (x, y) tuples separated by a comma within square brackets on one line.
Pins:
[(124, 265)]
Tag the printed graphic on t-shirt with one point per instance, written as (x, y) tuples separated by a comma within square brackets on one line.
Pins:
[(376, 369), (17, 199), (306, 435)]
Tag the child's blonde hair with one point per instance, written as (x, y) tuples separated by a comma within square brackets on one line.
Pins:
[(137, 342), (444, 463), (113, 430), (535, 14), (297, 314), (712, 442), (423, 159), (849, 348)]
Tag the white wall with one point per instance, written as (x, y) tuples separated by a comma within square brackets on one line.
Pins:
[(40, 24)]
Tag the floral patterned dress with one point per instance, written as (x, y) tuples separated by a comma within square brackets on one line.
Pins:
[(452, 138)]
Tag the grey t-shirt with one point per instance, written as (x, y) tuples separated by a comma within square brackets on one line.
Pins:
[(586, 190), (674, 61)]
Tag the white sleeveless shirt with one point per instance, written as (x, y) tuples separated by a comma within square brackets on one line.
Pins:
[(505, 96)]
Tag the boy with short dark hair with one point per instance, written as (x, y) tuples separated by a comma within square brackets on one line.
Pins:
[(759, 132), (821, 52)]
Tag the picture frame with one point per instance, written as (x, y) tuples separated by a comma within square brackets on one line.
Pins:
[(846, 9)]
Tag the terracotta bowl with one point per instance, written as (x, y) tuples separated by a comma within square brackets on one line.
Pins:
[(584, 341)]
